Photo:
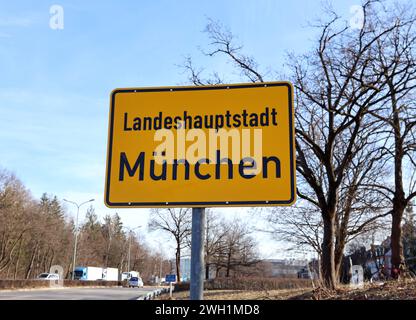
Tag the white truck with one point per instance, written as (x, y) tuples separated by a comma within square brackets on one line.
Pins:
[(96, 273), (88, 273), (110, 274)]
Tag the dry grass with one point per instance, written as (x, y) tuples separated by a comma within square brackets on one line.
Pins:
[(250, 284), (390, 290), (240, 294)]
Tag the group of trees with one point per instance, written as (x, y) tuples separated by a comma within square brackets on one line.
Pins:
[(109, 244), (36, 234), (33, 234), (230, 249), (355, 129)]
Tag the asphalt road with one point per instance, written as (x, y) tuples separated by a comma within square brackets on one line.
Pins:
[(77, 294)]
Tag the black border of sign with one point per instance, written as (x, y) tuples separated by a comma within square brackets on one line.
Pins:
[(110, 204)]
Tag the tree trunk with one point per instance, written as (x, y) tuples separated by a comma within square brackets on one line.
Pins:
[(399, 200), (396, 244), (229, 263), (16, 268), (44, 261), (107, 253), (8, 270), (32, 259), (178, 263), (50, 263), (206, 271), (328, 257), (339, 256), (342, 230)]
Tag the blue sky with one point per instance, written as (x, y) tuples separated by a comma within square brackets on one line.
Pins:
[(55, 84)]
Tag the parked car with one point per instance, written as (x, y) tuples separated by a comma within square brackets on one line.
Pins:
[(48, 276), (135, 282)]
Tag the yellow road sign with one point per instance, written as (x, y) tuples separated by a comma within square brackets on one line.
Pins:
[(201, 146)]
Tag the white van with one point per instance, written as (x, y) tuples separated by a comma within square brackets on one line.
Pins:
[(128, 275)]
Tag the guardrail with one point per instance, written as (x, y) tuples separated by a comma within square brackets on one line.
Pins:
[(153, 294)]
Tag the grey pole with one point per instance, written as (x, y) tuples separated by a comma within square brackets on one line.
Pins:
[(75, 245), (129, 254), (160, 269), (129, 249), (197, 254), (76, 233)]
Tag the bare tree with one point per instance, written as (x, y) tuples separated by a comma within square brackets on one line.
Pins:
[(338, 85), (300, 226), (229, 246), (239, 248), (395, 58), (16, 205), (177, 223), (214, 239), (222, 42), (360, 211)]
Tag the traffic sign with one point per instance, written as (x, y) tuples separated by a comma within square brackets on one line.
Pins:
[(170, 278), (201, 146)]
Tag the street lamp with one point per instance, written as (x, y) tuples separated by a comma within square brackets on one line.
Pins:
[(129, 252), (76, 232), (161, 260)]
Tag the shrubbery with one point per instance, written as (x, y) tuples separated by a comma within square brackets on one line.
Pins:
[(30, 284), (250, 284)]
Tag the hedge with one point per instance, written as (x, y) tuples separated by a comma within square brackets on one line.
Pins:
[(28, 284), (258, 284)]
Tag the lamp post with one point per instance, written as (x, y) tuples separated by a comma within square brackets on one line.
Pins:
[(76, 232), (161, 260), (129, 252)]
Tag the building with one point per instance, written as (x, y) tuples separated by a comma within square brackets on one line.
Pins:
[(185, 268), (285, 268)]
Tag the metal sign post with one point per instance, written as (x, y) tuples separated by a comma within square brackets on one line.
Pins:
[(197, 254)]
